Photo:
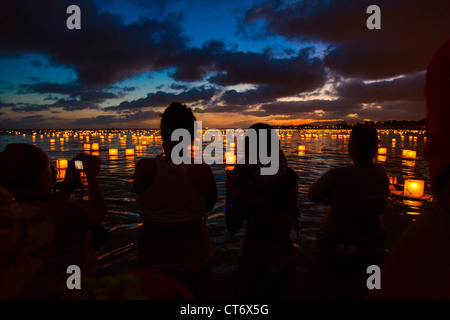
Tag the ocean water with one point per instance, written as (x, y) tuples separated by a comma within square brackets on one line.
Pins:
[(323, 150)]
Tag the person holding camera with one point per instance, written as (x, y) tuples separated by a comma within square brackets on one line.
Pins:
[(52, 231)]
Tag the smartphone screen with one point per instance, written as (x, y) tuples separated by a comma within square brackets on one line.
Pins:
[(78, 164)]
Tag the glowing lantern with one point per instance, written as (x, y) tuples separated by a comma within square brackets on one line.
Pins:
[(129, 152), (95, 146), (87, 146), (392, 180), (230, 158), (382, 151), (301, 148), (409, 154), (52, 141), (139, 148), (61, 164), (414, 188)]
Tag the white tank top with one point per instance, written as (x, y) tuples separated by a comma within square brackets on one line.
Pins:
[(171, 200)]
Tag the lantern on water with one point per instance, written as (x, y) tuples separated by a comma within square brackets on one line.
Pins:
[(129, 152), (301, 148), (230, 158), (392, 180), (410, 154), (414, 188), (139, 148), (87, 146), (382, 151), (61, 163), (95, 146), (113, 152)]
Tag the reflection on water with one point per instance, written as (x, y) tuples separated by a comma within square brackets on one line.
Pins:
[(322, 150)]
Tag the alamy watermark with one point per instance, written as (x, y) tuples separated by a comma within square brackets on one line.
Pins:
[(74, 20), (250, 147)]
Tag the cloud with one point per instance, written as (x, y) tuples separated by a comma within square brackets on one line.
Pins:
[(228, 67), (163, 99), (74, 90), (64, 104), (28, 122), (342, 108), (130, 120), (411, 31), (103, 52), (409, 87)]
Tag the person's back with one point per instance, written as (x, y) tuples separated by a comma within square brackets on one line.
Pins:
[(173, 238), (173, 200), (357, 194), (269, 216), (268, 205)]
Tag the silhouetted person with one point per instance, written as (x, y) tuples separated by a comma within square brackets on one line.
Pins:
[(356, 195), (418, 266), (268, 206), (50, 234), (173, 200)]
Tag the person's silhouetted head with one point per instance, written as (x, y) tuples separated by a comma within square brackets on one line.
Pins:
[(25, 170), (176, 116), (363, 144), (257, 127)]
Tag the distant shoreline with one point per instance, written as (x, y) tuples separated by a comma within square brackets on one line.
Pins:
[(382, 125)]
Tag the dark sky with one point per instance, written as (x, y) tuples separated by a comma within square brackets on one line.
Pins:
[(234, 62)]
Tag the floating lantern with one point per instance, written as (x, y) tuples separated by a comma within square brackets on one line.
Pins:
[(414, 188), (95, 146), (87, 146), (139, 148), (61, 163), (301, 148), (230, 158), (382, 150), (409, 154), (52, 141), (393, 180), (113, 152), (129, 152)]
